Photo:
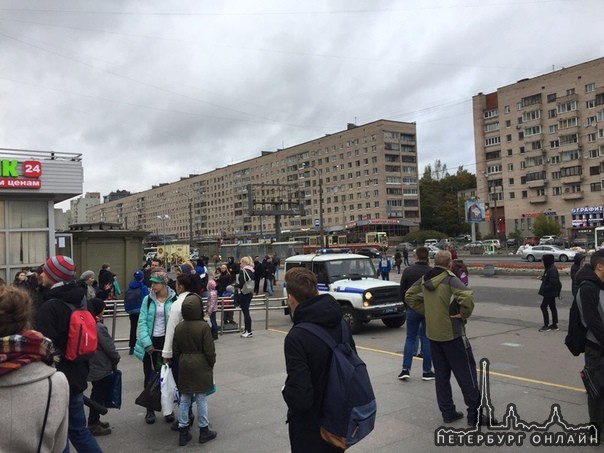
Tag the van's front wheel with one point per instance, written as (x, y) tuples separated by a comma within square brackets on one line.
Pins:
[(350, 318)]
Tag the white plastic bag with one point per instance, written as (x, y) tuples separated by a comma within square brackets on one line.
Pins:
[(169, 394)]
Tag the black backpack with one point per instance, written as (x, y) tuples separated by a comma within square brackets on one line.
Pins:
[(349, 405), (577, 330)]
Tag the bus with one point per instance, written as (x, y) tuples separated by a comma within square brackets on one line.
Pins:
[(599, 238)]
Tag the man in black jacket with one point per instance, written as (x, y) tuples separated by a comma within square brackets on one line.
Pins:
[(307, 360), (549, 289), (52, 320), (591, 298), (416, 323)]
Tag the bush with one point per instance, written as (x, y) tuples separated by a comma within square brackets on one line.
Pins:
[(420, 236)]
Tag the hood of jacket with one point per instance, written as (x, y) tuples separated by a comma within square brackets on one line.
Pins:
[(192, 308), (171, 294), (587, 274), (434, 277), (32, 372), (548, 260), (69, 292), (323, 310), (578, 258), (134, 284)]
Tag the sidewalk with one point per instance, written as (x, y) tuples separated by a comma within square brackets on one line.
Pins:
[(249, 413)]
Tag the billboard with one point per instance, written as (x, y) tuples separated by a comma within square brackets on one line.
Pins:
[(475, 211)]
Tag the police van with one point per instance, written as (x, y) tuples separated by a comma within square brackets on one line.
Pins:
[(352, 280)]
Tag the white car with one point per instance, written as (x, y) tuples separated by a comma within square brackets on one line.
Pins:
[(536, 253), (494, 242)]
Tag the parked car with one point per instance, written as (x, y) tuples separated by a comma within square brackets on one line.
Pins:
[(472, 245), (432, 250), (428, 242), (511, 242), (371, 252), (532, 240), (536, 253), (547, 240), (494, 242), (463, 238)]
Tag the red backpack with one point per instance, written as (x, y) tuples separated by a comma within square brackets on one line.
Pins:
[(81, 335)]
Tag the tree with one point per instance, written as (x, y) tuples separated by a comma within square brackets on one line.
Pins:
[(440, 207), (545, 226)]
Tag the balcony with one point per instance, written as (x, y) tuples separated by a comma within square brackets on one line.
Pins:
[(538, 199), (573, 195), (572, 179), (536, 184)]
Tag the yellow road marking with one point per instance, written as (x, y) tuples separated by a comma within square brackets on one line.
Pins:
[(493, 373)]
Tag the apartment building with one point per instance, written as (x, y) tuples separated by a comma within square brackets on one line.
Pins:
[(365, 174), (539, 147), (77, 207)]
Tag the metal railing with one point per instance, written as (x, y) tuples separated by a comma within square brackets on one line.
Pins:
[(114, 309)]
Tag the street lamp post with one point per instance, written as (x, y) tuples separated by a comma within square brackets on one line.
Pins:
[(163, 219)]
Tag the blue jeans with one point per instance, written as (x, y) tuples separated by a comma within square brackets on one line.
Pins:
[(214, 324), (77, 432), (185, 404), (269, 286), (416, 327)]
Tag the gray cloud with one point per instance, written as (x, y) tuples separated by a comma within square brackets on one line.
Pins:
[(149, 93)]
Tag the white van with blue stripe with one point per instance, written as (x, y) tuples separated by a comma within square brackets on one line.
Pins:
[(352, 280)]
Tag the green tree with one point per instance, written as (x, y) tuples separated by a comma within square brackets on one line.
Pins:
[(545, 226), (441, 210)]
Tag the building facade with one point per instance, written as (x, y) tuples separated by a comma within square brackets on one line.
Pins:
[(31, 182), (77, 207), (366, 173), (539, 147)]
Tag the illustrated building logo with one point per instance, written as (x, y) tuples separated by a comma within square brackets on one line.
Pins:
[(24, 176), (512, 430)]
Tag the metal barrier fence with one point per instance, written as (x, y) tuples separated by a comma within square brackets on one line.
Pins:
[(114, 309)]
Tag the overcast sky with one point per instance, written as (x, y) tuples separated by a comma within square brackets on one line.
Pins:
[(151, 91)]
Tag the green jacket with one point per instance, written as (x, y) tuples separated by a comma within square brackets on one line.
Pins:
[(194, 347), (438, 295)]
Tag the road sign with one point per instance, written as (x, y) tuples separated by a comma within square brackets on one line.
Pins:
[(317, 223)]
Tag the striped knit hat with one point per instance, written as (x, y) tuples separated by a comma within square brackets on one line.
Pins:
[(59, 268)]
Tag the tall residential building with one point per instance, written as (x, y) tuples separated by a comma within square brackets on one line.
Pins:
[(362, 175), (539, 147), (77, 208)]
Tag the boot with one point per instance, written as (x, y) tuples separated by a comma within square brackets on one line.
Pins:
[(175, 427), (206, 434), (184, 436)]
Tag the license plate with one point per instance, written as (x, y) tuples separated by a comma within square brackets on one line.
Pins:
[(387, 311)]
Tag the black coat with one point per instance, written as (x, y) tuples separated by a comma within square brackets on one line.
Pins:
[(550, 281), (307, 361), (412, 274), (52, 320), (590, 286)]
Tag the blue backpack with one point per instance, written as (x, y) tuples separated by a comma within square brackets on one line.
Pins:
[(133, 299), (349, 406)]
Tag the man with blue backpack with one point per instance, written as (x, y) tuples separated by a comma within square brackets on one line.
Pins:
[(133, 299), (330, 400)]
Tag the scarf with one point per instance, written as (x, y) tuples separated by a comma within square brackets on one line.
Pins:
[(25, 347)]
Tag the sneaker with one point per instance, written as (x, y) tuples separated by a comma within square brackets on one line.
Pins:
[(104, 424), (169, 418), (150, 417), (430, 376), (98, 430), (545, 329), (554, 327), (246, 334), (454, 417), (405, 375)]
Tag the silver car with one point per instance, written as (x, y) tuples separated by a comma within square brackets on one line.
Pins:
[(536, 253)]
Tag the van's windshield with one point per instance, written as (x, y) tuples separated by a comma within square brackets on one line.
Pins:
[(356, 268)]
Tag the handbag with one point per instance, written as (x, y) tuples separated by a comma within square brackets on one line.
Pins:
[(169, 395), (248, 285), (150, 397), (113, 399)]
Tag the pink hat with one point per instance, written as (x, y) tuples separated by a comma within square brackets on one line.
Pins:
[(59, 268)]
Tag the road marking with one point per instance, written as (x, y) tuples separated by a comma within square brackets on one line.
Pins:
[(492, 373), (512, 345)]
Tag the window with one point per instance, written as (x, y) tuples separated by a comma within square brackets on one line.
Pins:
[(556, 190), (512, 195), (506, 109), (569, 155), (551, 113), (494, 169), (540, 192), (594, 170), (569, 139), (490, 113), (491, 127), (511, 181), (594, 153), (570, 92), (590, 87), (551, 97), (509, 152), (566, 107), (508, 123), (533, 130), (524, 194), (553, 128), (554, 144), (555, 174), (595, 187), (508, 138), (510, 167), (529, 100), (571, 171), (492, 141), (569, 122), (531, 115)]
